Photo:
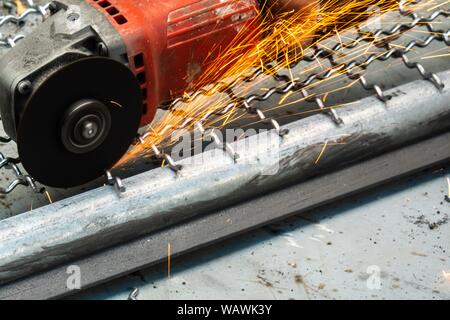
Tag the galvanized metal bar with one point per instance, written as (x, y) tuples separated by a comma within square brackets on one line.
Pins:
[(209, 229), (159, 198)]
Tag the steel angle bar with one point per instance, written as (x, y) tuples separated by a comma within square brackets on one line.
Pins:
[(160, 198)]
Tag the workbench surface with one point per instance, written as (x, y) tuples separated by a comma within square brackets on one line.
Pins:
[(389, 243)]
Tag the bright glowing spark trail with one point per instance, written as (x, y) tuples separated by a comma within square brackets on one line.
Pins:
[(280, 43)]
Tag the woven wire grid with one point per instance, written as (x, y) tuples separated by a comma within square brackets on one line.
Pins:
[(354, 69)]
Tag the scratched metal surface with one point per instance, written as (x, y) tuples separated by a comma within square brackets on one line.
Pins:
[(324, 254)]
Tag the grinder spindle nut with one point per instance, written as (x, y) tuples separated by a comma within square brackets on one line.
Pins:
[(85, 126)]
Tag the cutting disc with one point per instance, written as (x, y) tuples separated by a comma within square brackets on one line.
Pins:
[(79, 122)]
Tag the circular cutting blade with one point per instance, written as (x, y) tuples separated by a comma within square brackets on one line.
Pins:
[(39, 138)]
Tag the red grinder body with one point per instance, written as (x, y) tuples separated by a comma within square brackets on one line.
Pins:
[(170, 43)]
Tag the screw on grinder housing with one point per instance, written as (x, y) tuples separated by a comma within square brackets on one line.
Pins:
[(74, 92)]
